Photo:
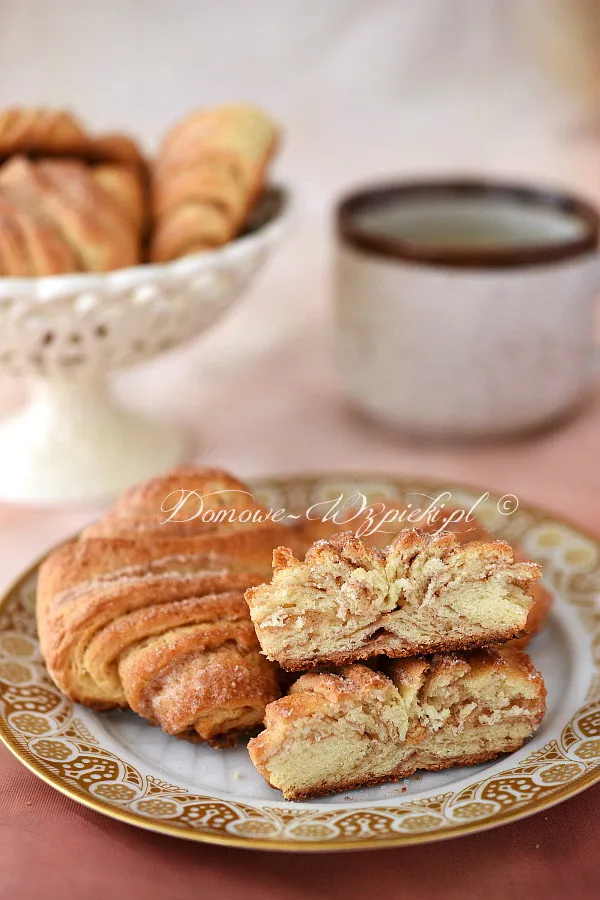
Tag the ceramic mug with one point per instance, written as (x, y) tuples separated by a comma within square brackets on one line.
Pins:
[(465, 308)]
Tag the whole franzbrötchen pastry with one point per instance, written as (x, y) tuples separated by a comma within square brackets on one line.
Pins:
[(207, 175), (143, 616)]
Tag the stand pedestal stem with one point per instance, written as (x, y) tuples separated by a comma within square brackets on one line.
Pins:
[(74, 443)]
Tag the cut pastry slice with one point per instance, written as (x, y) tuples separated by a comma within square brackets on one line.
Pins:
[(356, 726), (467, 528), (350, 601)]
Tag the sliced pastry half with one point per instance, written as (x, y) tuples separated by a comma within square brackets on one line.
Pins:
[(359, 726), (349, 601)]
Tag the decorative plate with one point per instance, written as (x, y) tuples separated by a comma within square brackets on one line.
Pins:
[(118, 765)]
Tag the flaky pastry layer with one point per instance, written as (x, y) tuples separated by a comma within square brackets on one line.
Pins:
[(466, 528)]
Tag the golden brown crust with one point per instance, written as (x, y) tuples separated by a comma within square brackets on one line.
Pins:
[(116, 147), (42, 133), (124, 187), (70, 217), (157, 621), (182, 496), (94, 557), (208, 173), (380, 646), (399, 774), (190, 501), (29, 245), (359, 680)]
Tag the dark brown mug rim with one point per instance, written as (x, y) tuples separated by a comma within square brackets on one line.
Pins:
[(373, 196)]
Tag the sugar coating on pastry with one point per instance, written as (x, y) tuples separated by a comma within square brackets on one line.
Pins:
[(152, 617), (185, 500), (159, 625), (350, 601), (356, 726)]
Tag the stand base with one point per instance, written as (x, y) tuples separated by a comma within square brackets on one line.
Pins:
[(74, 444)]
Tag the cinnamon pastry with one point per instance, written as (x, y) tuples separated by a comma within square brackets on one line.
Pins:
[(350, 601), (115, 147), (208, 173), (29, 246), (65, 216), (126, 191), (187, 500), (43, 132), (138, 614), (310, 531), (355, 727)]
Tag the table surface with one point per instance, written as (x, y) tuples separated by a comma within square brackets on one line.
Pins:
[(258, 395)]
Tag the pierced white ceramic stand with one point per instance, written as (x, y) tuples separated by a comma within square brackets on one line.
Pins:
[(65, 333)]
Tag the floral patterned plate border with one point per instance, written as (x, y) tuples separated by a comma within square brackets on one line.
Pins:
[(59, 742)]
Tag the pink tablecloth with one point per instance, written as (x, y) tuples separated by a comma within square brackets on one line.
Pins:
[(51, 848)]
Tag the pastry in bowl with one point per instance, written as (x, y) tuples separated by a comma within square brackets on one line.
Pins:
[(72, 201), (59, 216), (208, 174), (42, 132), (155, 620), (348, 600), (357, 726)]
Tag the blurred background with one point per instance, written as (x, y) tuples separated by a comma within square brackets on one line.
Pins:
[(363, 91)]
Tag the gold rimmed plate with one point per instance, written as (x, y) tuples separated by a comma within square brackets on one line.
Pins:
[(120, 766)]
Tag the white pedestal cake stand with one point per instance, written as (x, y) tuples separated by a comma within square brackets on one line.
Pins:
[(66, 333)]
